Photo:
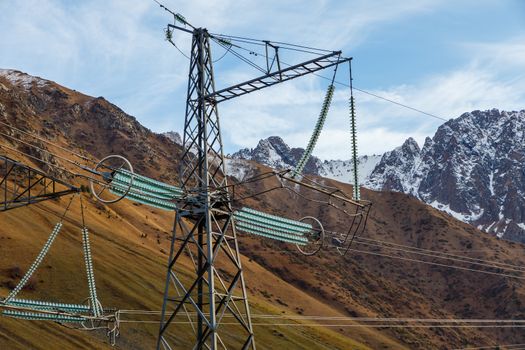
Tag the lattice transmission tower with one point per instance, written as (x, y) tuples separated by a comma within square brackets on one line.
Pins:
[(204, 233), (211, 302)]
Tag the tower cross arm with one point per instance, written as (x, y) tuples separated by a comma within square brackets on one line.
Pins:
[(278, 76)]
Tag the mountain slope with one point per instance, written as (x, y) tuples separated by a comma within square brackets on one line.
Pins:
[(130, 244), (472, 168), (130, 241)]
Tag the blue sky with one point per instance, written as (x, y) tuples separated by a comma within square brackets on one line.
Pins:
[(443, 57)]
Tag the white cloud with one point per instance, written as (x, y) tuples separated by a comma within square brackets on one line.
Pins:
[(310, 22), (382, 126), (116, 49), (501, 55)]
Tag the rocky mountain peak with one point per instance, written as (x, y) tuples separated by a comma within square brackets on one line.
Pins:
[(89, 124), (410, 146), (395, 167), (174, 137), (472, 168), (21, 79), (275, 153)]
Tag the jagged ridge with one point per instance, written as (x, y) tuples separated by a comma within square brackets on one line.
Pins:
[(275, 153), (472, 168)]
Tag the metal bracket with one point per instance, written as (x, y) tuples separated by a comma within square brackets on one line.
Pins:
[(22, 185)]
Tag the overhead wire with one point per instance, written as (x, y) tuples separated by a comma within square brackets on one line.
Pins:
[(173, 13), (345, 318), (489, 264), (518, 267), (150, 193), (308, 320), (450, 266), (405, 248), (434, 263), (484, 263), (358, 241), (356, 88), (86, 158), (83, 167), (262, 42), (508, 346), (369, 320), (276, 320), (413, 250), (181, 52), (255, 324), (223, 55), (241, 57), (43, 161)]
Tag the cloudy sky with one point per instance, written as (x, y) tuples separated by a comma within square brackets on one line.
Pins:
[(442, 57)]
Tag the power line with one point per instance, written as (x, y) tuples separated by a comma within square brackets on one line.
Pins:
[(439, 257), (350, 318), (86, 158), (178, 49), (346, 325), (344, 84), (241, 57), (494, 346), (176, 16), (264, 42), (444, 253), (435, 264), (155, 195), (397, 103)]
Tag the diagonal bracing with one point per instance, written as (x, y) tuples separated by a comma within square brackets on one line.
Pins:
[(22, 185)]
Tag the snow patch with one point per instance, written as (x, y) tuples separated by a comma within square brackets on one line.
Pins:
[(460, 216), (22, 79), (237, 168), (491, 183), (342, 170)]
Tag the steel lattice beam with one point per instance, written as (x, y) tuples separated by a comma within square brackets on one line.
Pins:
[(208, 301), (22, 185), (278, 76)]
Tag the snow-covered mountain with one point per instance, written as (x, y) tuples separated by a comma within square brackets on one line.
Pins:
[(341, 170), (275, 153), (473, 168)]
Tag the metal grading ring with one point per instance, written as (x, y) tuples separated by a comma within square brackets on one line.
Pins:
[(108, 177), (318, 239)]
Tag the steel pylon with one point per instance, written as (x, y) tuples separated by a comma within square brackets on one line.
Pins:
[(207, 307)]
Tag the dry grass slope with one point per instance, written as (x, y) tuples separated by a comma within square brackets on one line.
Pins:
[(130, 244)]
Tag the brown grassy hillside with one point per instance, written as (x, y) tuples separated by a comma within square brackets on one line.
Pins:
[(130, 243)]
